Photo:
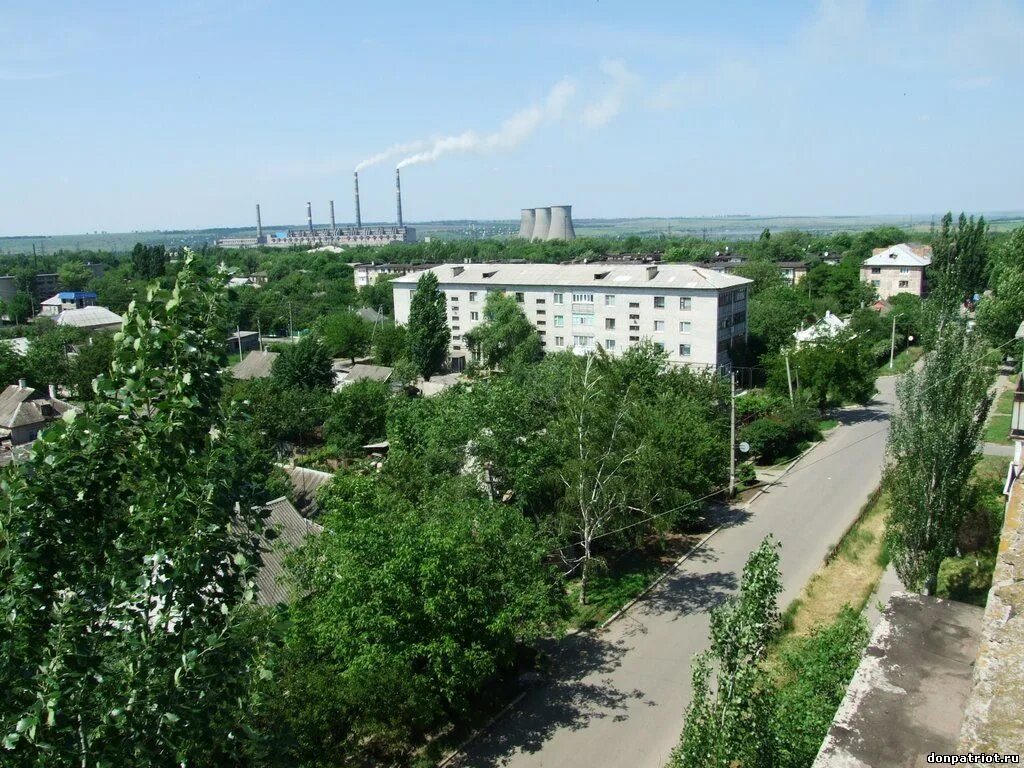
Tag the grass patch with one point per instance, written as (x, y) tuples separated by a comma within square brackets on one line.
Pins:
[(848, 578), (826, 424), (903, 362), (998, 428)]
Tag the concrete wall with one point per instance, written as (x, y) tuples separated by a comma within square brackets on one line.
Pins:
[(715, 323), (888, 281)]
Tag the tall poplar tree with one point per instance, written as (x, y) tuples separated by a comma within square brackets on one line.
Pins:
[(428, 327)]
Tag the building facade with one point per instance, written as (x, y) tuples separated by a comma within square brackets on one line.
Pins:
[(897, 269), (695, 315), (367, 274)]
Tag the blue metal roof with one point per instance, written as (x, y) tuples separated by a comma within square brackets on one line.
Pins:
[(73, 295)]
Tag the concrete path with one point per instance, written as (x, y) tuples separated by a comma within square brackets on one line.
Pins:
[(995, 449), (619, 695)]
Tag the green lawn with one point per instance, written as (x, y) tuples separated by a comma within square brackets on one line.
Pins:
[(998, 428), (903, 362), (826, 424)]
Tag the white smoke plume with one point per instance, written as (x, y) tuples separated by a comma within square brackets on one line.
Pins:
[(392, 151), (512, 132), (620, 84)]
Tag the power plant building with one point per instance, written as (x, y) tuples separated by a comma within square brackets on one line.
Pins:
[(552, 222), (314, 237), (695, 315)]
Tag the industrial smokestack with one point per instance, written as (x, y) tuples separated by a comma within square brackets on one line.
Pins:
[(259, 224), (561, 223), (359, 218), (398, 194), (542, 223), (526, 222), (309, 216), (332, 214)]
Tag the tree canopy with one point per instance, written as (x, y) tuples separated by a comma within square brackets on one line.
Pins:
[(428, 333)]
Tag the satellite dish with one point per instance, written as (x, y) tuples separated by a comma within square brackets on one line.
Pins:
[(744, 447)]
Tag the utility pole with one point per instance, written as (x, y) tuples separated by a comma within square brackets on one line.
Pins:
[(732, 434), (291, 328), (892, 341), (789, 379), (259, 333)]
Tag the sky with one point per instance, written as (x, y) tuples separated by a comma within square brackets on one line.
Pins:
[(123, 116)]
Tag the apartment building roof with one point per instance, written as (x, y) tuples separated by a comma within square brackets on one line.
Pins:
[(599, 275), (901, 255)]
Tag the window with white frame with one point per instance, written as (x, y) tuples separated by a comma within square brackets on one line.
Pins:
[(583, 298), (659, 325), (609, 299), (609, 323), (558, 298), (582, 341), (578, 319), (474, 315), (685, 302), (472, 295), (609, 343), (684, 350), (685, 326), (904, 270), (559, 341), (659, 302), (559, 321)]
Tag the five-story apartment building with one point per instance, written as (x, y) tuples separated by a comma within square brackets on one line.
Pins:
[(696, 315)]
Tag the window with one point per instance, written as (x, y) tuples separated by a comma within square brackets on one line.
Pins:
[(454, 298), (685, 302), (634, 338), (559, 341), (609, 343), (876, 283), (904, 270), (739, 317), (659, 346), (609, 323), (684, 350), (904, 283), (634, 317), (582, 319), (876, 270), (685, 326), (582, 341), (559, 321), (472, 295), (541, 312), (542, 301), (474, 315), (659, 325), (558, 298), (609, 299), (659, 302), (583, 298), (542, 322), (456, 346), (456, 328), (455, 318), (634, 305), (520, 297)]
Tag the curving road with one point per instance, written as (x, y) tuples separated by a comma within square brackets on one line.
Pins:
[(618, 696)]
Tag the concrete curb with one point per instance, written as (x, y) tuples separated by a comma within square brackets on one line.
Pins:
[(458, 750)]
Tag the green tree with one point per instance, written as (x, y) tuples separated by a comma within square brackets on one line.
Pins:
[(12, 366), (379, 295), (345, 334), (933, 440), (305, 364), (19, 308), (93, 359), (283, 414), (960, 255), (406, 612), (1000, 314), (48, 359), (730, 724), (774, 315), (127, 569), (389, 343), (357, 415), (428, 332), (73, 275), (506, 337), (149, 261), (835, 370), (765, 275)]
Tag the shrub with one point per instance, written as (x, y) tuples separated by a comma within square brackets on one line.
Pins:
[(967, 579), (768, 437)]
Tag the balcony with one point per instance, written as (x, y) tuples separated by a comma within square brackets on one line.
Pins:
[(583, 309)]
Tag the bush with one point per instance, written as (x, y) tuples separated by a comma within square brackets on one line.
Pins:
[(967, 579), (815, 672), (768, 438)]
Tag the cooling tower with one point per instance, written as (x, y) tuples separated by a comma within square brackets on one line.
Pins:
[(526, 222), (561, 223), (541, 223)]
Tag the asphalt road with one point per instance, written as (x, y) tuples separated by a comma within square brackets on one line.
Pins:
[(618, 696)]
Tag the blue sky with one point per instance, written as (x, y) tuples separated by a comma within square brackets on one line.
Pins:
[(126, 115)]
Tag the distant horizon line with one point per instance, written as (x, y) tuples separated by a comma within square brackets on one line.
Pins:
[(1003, 214)]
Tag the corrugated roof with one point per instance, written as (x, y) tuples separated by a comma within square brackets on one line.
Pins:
[(289, 530), (88, 317), (901, 255), (24, 406), (306, 482), (255, 365), (361, 372), (680, 276)]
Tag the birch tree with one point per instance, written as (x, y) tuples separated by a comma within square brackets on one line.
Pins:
[(932, 446)]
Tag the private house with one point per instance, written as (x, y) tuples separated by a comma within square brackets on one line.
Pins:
[(695, 315), (827, 327), (286, 530), (792, 271), (240, 342), (25, 411), (897, 269), (255, 365), (66, 300), (90, 318)]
